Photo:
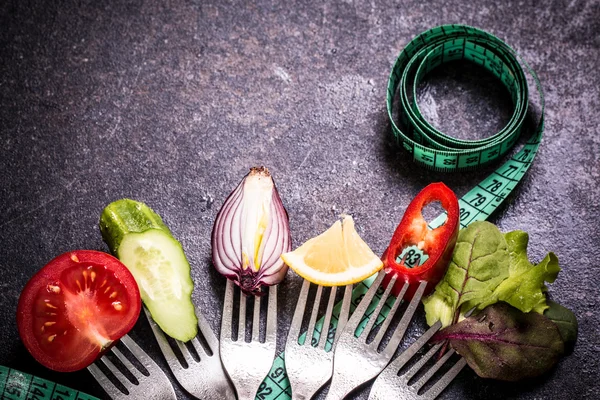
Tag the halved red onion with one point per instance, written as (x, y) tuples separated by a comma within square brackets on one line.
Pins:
[(251, 232)]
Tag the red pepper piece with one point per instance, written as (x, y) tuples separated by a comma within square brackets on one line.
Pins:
[(438, 243)]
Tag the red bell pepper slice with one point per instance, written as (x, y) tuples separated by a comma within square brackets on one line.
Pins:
[(437, 243)]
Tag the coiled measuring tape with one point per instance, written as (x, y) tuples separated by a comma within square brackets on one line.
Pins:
[(430, 147), (434, 150), (16, 385)]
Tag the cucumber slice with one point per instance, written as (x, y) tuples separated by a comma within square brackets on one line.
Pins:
[(140, 239)]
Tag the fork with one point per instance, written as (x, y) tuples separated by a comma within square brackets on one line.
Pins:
[(152, 384), (247, 363), (205, 378), (310, 367), (390, 382), (356, 361)]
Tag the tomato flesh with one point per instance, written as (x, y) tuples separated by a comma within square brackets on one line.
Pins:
[(75, 307)]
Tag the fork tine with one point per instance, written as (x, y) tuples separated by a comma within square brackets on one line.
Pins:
[(378, 308), (104, 382), (207, 333), (117, 373), (327, 321), (420, 364), (187, 356), (344, 314), (313, 316), (294, 330), (445, 380), (199, 348), (398, 334), (256, 319), (226, 319), (241, 335), (271, 334), (133, 370), (399, 362), (360, 310), (162, 342), (388, 319), (423, 380), (137, 352)]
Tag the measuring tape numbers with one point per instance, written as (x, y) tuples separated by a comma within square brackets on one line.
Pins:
[(432, 149), (16, 385)]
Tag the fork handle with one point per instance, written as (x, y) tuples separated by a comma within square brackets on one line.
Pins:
[(338, 392)]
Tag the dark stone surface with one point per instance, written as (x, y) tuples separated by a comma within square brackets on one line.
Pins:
[(171, 103)]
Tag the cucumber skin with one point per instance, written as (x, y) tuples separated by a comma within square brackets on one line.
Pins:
[(126, 216)]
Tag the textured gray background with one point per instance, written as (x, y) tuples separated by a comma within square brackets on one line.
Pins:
[(170, 102)]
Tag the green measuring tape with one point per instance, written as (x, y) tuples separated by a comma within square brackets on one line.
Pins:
[(432, 149), (16, 385)]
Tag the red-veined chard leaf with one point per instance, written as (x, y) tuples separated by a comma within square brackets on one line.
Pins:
[(504, 343)]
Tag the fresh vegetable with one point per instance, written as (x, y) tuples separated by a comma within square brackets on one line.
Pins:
[(251, 232), (479, 263), (515, 332), (336, 257), (504, 343), (488, 267), (524, 287), (140, 239), (437, 243), (566, 322), (75, 308)]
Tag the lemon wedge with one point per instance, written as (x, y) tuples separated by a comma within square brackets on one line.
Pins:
[(336, 257)]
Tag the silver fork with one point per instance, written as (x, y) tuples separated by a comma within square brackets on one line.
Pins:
[(205, 378), (389, 383), (247, 363), (310, 367), (356, 361), (153, 385)]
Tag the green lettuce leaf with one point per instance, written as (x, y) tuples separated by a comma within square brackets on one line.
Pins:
[(524, 288), (504, 343), (480, 262)]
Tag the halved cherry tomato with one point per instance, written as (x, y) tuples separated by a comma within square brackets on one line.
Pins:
[(74, 308), (437, 243)]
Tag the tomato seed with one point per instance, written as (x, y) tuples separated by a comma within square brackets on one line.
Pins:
[(53, 289)]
